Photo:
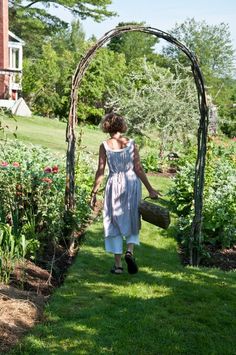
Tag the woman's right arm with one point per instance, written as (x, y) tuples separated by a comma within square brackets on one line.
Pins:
[(99, 174), (143, 177)]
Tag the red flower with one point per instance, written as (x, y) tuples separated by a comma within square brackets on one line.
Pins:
[(16, 164), (49, 181), (4, 163), (47, 169), (55, 169)]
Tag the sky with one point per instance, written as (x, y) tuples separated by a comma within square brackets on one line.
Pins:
[(164, 15)]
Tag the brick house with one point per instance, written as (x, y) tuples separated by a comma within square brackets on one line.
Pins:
[(11, 57), (11, 54)]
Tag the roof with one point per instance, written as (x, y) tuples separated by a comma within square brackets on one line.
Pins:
[(14, 38)]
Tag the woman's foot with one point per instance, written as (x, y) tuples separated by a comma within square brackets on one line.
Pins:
[(131, 264), (117, 270)]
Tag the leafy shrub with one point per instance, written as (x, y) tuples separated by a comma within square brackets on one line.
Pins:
[(32, 187), (219, 208), (12, 249), (150, 162)]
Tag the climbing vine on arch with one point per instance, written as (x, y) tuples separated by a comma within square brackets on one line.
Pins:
[(195, 235)]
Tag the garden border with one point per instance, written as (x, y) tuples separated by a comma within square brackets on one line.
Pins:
[(195, 235)]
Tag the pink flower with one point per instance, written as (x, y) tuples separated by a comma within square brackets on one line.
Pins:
[(47, 169), (4, 163), (234, 139), (16, 164), (55, 169), (49, 181)]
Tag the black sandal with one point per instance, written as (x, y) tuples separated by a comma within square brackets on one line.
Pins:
[(117, 270), (131, 264)]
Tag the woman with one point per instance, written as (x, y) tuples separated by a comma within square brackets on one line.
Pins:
[(121, 217)]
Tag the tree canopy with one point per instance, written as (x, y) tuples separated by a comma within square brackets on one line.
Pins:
[(154, 98), (133, 44), (34, 21), (211, 44)]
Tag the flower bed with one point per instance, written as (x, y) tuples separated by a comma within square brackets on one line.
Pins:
[(219, 207), (32, 186)]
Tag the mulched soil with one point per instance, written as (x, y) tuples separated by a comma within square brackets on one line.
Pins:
[(22, 302), (20, 311), (224, 259)]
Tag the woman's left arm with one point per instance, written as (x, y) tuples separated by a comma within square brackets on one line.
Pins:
[(99, 174)]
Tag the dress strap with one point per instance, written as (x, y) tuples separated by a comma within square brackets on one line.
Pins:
[(107, 148), (105, 145)]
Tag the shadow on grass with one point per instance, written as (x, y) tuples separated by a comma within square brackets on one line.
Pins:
[(164, 309)]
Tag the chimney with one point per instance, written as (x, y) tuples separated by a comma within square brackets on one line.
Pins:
[(4, 79)]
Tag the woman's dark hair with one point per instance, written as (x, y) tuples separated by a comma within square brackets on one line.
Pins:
[(113, 123)]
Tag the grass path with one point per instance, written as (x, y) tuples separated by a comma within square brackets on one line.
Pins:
[(164, 309)]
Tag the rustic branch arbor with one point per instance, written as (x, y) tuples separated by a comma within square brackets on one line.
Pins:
[(195, 235)]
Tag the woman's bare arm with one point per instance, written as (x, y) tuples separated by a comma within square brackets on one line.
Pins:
[(100, 170), (141, 174), (99, 174)]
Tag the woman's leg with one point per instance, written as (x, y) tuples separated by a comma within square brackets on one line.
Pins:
[(132, 240), (130, 247), (130, 260), (118, 262), (114, 245)]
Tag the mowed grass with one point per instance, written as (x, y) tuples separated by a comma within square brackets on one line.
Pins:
[(164, 309), (51, 133)]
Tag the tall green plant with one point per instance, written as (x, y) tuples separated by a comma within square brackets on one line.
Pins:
[(12, 249), (154, 99), (219, 205)]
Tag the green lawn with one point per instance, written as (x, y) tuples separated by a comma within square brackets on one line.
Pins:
[(51, 133), (164, 309)]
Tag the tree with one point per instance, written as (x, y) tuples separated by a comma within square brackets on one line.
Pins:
[(225, 98), (133, 44), (211, 44), (47, 78), (107, 70), (32, 20), (39, 82), (156, 99)]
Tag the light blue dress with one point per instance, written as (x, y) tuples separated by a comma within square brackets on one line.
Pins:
[(122, 194)]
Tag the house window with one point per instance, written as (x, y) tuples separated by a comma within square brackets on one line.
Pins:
[(15, 58)]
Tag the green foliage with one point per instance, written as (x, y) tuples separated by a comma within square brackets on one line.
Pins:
[(12, 249), (219, 207), (35, 22), (225, 98), (156, 99), (150, 162), (107, 70), (39, 82), (32, 189), (133, 45), (211, 44), (47, 79), (4, 127)]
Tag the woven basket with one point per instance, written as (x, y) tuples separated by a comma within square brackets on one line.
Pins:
[(154, 214)]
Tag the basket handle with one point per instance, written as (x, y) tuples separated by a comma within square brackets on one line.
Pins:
[(157, 198)]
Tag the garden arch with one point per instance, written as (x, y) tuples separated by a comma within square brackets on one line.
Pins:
[(195, 234)]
